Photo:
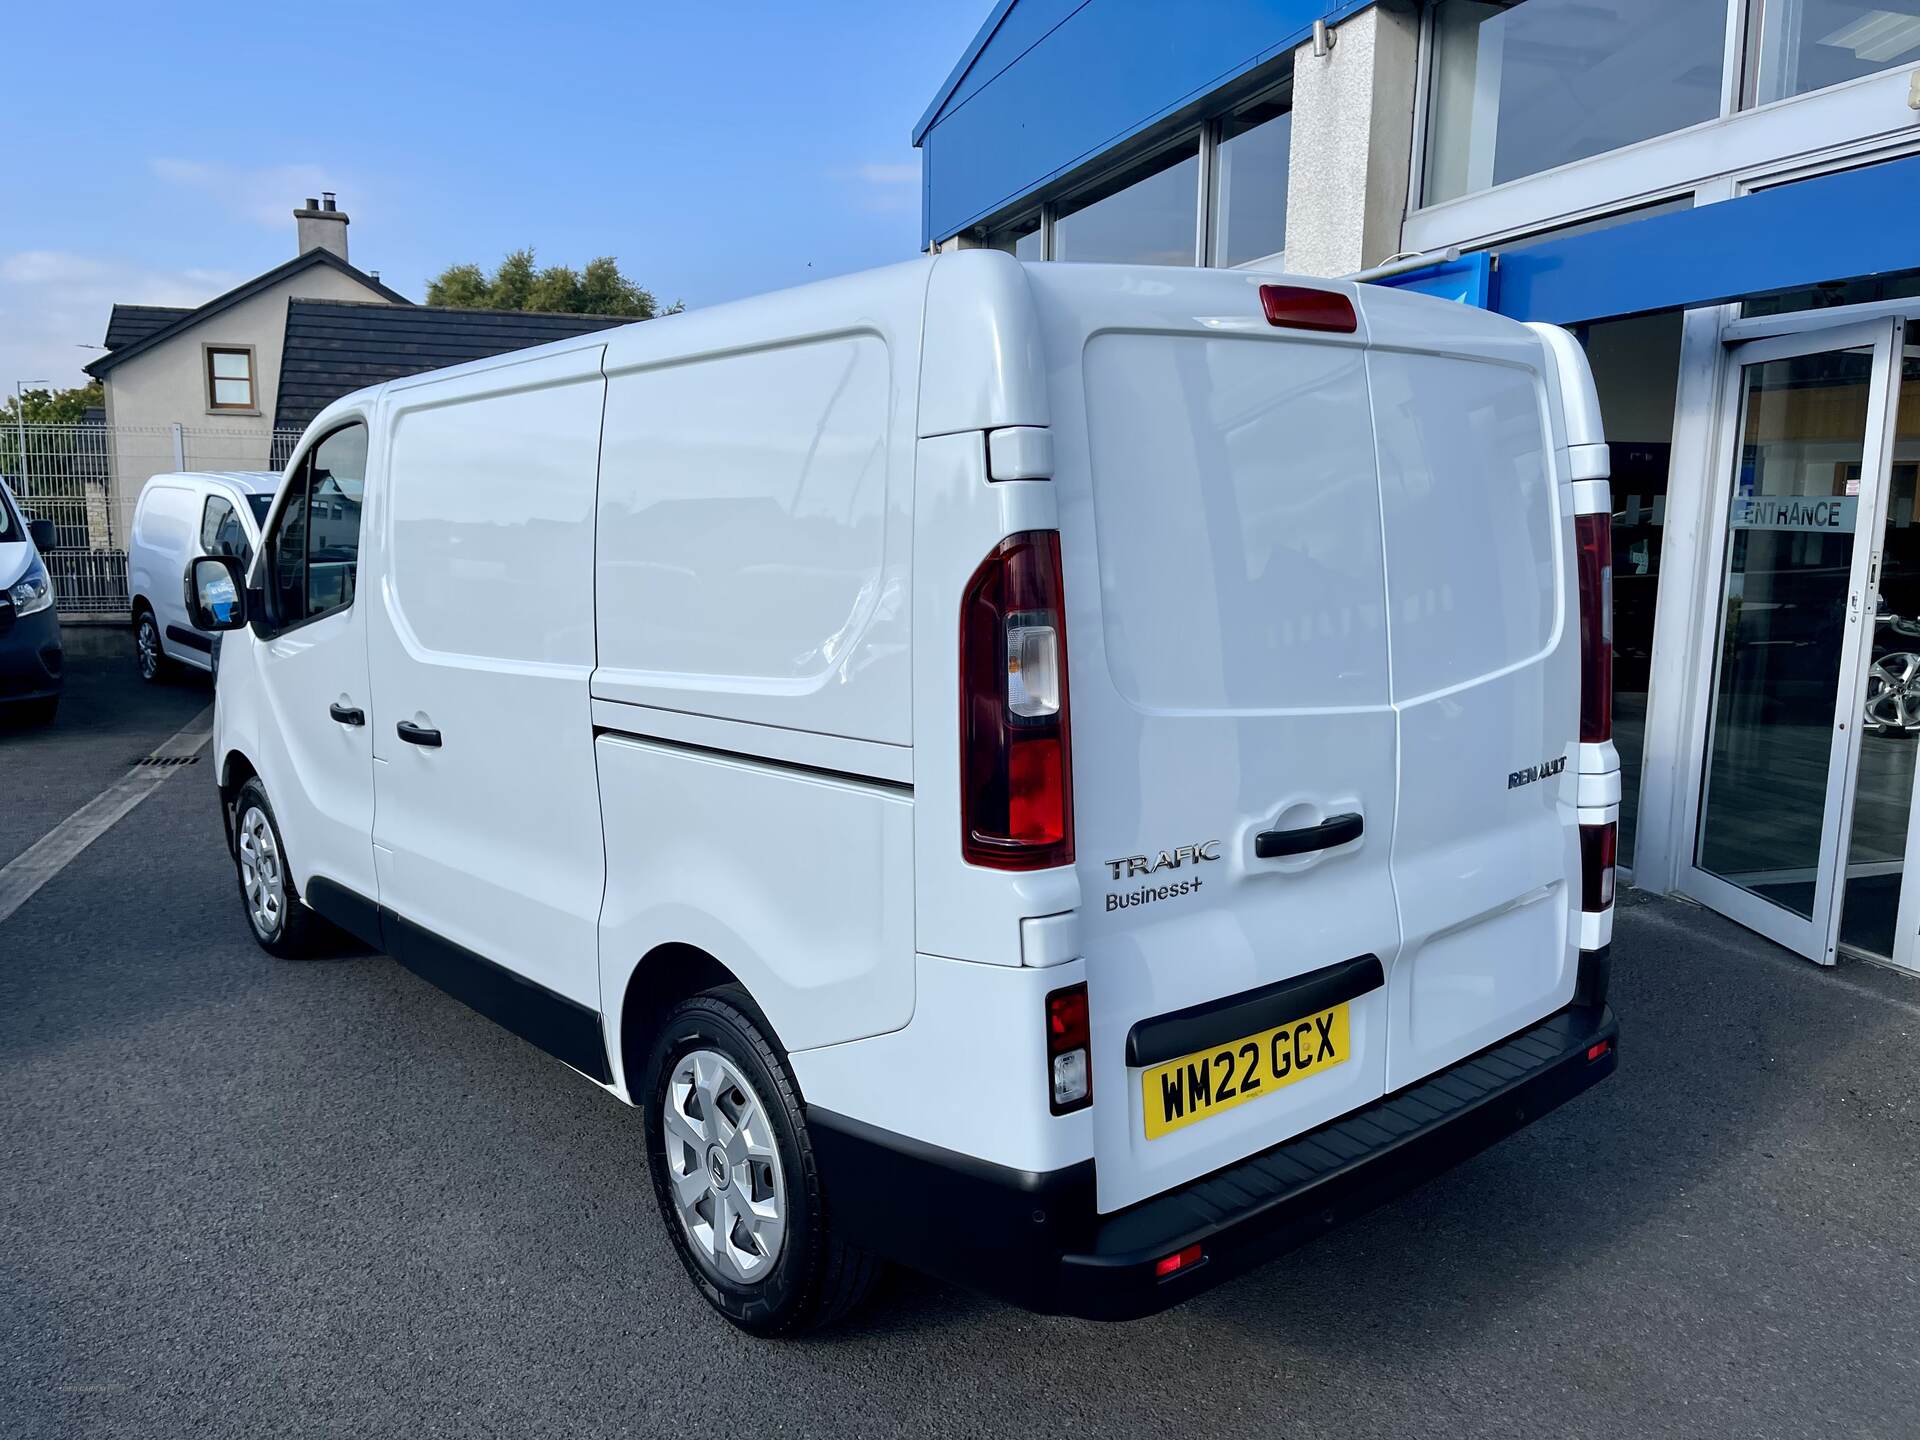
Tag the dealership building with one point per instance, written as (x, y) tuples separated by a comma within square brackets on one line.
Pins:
[(1719, 198)]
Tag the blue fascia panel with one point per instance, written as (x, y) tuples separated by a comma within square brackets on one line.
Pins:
[(1855, 224), (1466, 281), (1050, 84), (1013, 28)]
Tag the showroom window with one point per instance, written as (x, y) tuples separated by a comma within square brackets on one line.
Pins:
[(1024, 239), (1143, 216), (1249, 190), (1233, 170), (1795, 46), (1517, 89)]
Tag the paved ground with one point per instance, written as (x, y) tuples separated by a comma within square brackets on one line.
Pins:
[(246, 1197)]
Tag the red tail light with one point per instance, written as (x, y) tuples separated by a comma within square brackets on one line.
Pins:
[(1069, 1050), (1593, 534), (1016, 755), (1598, 844)]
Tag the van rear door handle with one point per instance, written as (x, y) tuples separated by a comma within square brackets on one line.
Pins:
[(417, 734), (346, 714), (1335, 830)]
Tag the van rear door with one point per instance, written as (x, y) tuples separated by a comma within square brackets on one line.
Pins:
[(1483, 608), (1234, 739)]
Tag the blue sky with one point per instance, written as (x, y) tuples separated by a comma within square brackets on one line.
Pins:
[(157, 152)]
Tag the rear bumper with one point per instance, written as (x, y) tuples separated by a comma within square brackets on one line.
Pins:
[(1036, 1240)]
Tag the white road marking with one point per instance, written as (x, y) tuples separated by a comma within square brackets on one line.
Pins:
[(33, 867)]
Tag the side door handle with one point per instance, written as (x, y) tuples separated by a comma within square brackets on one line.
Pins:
[(346, 714), (1335, 830), (417, 734)]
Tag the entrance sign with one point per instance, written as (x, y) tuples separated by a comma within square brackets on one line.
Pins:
[(1831, 513)]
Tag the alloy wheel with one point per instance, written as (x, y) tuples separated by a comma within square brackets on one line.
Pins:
[(723, 1167), (147, 640), (1893, 694)]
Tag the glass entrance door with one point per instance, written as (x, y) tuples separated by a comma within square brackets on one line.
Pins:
[(1797, 553), (1878, 916)]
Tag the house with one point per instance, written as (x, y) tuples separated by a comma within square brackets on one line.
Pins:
[(213, 370), (229, 384)]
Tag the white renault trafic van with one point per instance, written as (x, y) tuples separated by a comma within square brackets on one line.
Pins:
[(181, 515), (1070, 777)]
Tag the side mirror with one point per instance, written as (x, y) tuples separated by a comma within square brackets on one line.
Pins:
[(216, 593), (42, 533)]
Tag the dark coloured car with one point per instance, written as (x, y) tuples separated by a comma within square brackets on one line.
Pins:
[(30, 652)]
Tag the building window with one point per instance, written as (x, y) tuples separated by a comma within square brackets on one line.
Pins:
[(1520, 88), (1250, 183), (1024, 239), (1147, 215), (1794, 46), (230, 378)]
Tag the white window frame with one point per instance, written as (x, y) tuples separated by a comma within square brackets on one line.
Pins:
[(1803, 132)]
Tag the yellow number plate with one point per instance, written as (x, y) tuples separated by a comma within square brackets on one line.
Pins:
[(1206, 1082)]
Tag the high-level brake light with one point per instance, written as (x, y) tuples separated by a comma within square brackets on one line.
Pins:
[(1300, 307), (1016, 755)]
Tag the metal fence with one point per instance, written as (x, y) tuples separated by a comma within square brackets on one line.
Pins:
[(87, 479)]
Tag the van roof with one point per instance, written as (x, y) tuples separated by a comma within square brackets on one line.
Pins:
[(987, 300), (247, 482)]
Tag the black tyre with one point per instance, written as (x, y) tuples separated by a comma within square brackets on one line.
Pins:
[(734, 1172), (147, 654), (281, 924)]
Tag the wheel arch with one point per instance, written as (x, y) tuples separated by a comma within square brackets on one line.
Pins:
[(666, 975), (235, 770)]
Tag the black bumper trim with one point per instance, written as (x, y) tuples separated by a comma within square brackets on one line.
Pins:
[(1034, 1238), (1216, 1022)]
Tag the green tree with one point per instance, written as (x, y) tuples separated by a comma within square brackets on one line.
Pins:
[(53, 407), (516, 284)]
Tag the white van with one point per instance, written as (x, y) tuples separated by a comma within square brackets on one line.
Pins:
[(179, 516), (1070, 777)]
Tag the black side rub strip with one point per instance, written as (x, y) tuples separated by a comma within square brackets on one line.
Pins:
[(1335, 830), (1201, 1027), (562, 1027)]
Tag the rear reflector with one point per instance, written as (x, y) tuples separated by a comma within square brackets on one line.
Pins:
[(1599, 1048), (1016, 756), (1597, 847), (1069, 1058), (1179, 1260), (1593, 538), (1296, 307)]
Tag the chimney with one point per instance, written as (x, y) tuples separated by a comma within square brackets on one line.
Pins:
[(323, 226)]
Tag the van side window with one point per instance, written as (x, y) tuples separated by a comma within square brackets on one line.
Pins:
[(314, 551), (287, 554), (220, 530), (339, 474)]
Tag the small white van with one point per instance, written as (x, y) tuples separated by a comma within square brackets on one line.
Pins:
[(180, 516), (1073, 778)]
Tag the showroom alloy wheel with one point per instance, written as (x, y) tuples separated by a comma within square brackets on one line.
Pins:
[(1893, 695), (734, 1173)]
